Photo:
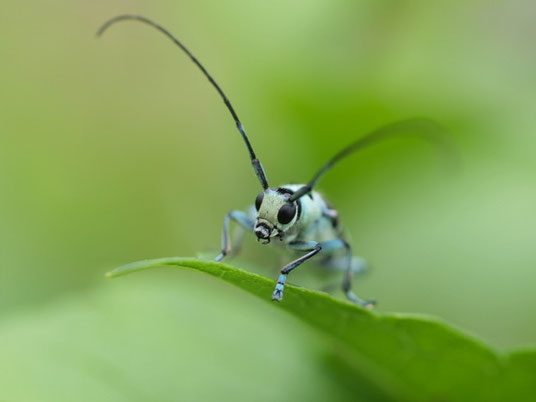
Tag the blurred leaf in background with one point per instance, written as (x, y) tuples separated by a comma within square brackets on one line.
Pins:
[(109, 148)]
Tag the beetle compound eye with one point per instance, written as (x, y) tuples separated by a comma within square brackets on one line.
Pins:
[(286, 213), (258, 201)]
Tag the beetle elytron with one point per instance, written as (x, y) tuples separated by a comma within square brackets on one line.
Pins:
[(294, 214)]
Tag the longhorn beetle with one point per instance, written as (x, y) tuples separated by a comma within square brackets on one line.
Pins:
[(295, 214)]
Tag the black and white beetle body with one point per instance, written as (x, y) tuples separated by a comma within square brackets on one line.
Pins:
[(294, 214), (306, 224)]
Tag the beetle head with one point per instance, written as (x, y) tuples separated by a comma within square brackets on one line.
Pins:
[(275, 213)]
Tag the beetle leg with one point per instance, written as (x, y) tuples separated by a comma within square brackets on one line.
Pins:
[(244, 220), (313, 248), (347, 282)]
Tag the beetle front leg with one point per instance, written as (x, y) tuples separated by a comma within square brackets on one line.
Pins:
[(243, 220), (312, 246)]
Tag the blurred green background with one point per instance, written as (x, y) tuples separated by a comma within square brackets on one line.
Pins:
[(117, 149)]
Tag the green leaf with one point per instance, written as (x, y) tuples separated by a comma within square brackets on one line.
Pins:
[(406, 357), (166, 338)]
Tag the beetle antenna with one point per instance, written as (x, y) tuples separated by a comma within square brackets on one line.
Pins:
[(257, 166), (424, 128)]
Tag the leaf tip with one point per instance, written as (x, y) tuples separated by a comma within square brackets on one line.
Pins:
[(109, 275)]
